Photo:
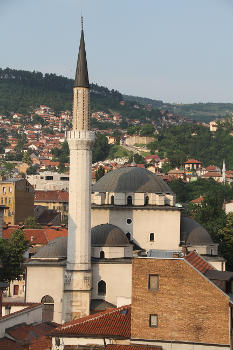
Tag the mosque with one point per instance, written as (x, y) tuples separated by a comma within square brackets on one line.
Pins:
[(129, 212)]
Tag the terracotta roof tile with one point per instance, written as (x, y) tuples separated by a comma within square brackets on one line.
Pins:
[(192, 161), (38, 235), (198, 200), (132, 347), (112, 322), (51, 196), (198, 262), (7, 344)]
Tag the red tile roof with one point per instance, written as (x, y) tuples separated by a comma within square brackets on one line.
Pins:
[(52, 233), (212, 174), (51, 196), (112, 322), (7, 344), (192, 161), (132, 347), (198, 262), (30, 333), (198, 200), (34, 236)]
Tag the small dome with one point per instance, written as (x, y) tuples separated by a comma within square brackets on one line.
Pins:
[(57, 248), (131, 179), (108, 235), (192, 233)]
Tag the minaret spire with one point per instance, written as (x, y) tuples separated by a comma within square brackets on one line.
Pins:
[(81, 101), (77, 283)]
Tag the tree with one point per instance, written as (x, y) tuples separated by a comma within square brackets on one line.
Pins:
[(225, 239), (27, 159), (12, 256), (147, 130), (137, 158), (100, 148), (30, 222), (99, 173), (32, 170), (166, 167)]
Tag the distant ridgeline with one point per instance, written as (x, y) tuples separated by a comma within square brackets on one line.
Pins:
[(22, 91), (204, 112)]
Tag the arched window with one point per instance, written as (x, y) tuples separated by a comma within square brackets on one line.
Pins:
[(146, 200), (128, 235), (48, 308), (152, 237), (101, 288), (129, 200), (102, 254), (112, 200)]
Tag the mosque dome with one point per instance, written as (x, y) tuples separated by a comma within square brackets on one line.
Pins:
[(105, 235), (131, 179), (192, 233), (108, 235)]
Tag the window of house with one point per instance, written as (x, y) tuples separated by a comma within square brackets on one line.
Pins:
[(16, 289), (102, 254), (152, 237), (101, 288), (146, 200), (153, 320), (1, 200), (128, 235), (48, 309), (4, 190), (9, 201), (112, 200), (10, 189), (5, 200), (129, 221), (153, 282)]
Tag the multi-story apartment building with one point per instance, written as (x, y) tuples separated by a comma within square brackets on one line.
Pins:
[(18, 196), (55, 200)]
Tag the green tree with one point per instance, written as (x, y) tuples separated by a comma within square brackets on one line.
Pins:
[(137, 158), (27, 159), (32, 170), (225, 240), (166, 167), (99, 173), (30, 222), (147, 130), (12, 256), (100, 148)]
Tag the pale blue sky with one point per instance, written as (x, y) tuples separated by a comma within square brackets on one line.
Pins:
[(173, 50)]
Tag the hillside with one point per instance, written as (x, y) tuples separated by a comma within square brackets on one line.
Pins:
[(204, 112), (22, 91)]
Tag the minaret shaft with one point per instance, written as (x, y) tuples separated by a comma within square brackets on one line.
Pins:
[(77, 283)]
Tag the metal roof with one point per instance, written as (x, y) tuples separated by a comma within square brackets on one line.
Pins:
[(131, 179), (81, 76), (192, 233)]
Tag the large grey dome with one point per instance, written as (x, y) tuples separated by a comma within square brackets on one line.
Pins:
[(192, 233), (131, 179), (108, 235), (57, 248)]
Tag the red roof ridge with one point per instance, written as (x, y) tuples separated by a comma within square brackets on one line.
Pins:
[(93, 317)]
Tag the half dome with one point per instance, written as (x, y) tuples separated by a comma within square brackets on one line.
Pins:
[(192, 233), (108, 235)]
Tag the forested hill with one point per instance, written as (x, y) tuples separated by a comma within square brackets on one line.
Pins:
[(204, 112), (22, 91)]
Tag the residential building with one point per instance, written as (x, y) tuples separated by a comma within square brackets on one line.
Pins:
[(18, 196)]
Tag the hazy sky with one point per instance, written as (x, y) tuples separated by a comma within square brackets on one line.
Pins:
[(173, 50)]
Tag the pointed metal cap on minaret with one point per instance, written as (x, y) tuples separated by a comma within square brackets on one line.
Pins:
[(81, 76)]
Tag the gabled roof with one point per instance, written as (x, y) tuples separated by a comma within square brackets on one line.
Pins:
[(113, 322), (198, 262), (192, 161)]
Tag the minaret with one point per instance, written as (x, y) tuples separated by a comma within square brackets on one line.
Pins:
[(224, 172), (77, 280)]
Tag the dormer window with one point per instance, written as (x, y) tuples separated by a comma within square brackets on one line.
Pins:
[(129, 200), (112, 200), (146, 200)]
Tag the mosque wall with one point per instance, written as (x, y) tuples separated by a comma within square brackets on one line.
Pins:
[(117, 277), (140, 223), (44, 281)]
